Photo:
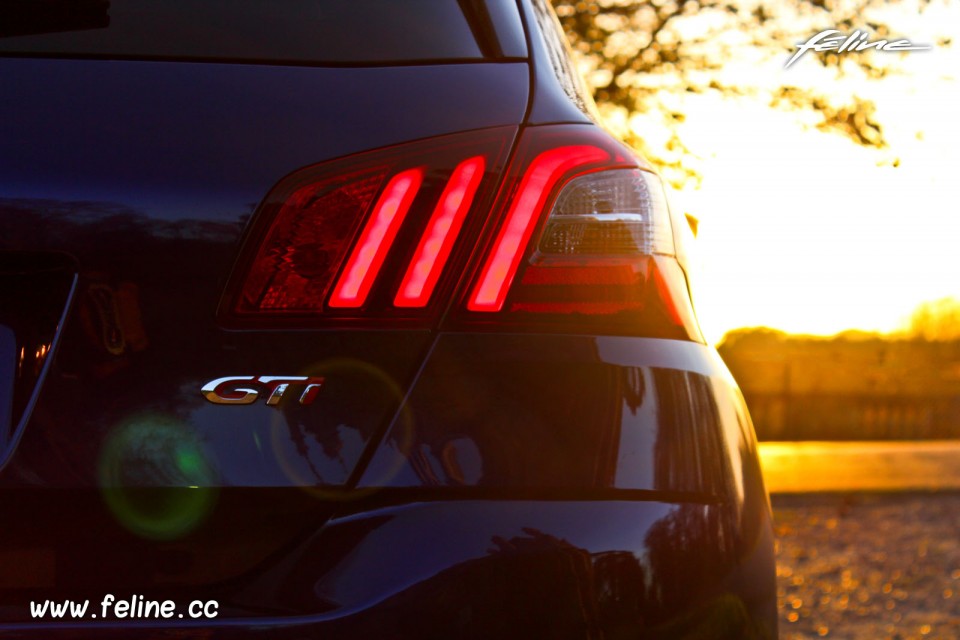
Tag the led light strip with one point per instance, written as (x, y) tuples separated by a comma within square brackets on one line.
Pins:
[(441, 234), (500, 268), (367, 256)]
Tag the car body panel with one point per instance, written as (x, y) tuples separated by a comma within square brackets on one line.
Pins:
[(539, 411), (155, 235), (206, 142)]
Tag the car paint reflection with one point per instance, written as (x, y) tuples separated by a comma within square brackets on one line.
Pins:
[(551, 413), (474, 567)]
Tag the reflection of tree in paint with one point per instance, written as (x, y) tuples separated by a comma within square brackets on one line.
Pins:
[(330, 433), (156, 451), (690, 453), (672, 590), (147, 269)]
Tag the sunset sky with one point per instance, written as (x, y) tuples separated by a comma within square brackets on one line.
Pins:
[(805, 231)]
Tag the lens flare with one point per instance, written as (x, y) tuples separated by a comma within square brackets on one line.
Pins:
[(156, 478), (297, 463)]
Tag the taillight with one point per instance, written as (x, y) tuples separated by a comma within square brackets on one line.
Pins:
[(583, 239), (576, 236), (368, 237)]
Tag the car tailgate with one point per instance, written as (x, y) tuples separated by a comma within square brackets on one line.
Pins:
[(141, 181)]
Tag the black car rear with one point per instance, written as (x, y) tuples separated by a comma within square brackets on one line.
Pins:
[(347, 320)]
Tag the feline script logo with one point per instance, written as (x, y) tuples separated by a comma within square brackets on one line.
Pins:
[(856, 41)]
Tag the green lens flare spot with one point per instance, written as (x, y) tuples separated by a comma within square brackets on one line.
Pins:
[(189, 461), (156, 478)]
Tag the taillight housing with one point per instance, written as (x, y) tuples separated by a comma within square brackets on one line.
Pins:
[(574, 235), (379, 235), (581, 239)]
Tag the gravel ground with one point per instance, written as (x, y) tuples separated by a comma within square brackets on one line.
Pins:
[(868, 566)]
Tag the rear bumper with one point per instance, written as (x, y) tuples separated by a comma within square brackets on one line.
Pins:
[(503, 568), (548, 486)]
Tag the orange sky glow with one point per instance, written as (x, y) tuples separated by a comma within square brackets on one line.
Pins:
[(805, 231)]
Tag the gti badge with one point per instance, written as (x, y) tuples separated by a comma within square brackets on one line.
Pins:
[(246, 389)]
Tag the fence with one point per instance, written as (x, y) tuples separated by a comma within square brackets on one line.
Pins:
[(853, 417)]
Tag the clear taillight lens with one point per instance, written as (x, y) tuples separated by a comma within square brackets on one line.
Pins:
[(605, 215)]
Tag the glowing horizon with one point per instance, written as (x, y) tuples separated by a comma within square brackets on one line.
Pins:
[(802, 230)]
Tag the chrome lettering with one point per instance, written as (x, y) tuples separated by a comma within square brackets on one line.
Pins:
[(226, 390)]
